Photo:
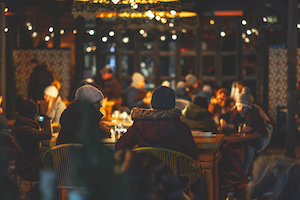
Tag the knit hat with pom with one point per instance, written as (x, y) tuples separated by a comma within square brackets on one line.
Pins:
[(163, 98), (244, 98), (51, 91), (190, 79), (88, 94)]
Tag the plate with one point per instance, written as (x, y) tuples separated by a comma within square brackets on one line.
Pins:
[(202, 134)]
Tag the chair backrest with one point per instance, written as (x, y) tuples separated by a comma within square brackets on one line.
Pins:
[(267, 138), (181, 103), (184, 167), (66, 162)]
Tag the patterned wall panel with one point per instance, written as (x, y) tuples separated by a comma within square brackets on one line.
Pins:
[(278, 79), (58, 62)]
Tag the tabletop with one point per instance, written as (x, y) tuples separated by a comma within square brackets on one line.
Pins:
[(233, 138), (212, 142)]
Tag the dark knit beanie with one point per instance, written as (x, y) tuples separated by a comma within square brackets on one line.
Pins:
[(26, 108), (201, 101), (163, 98)]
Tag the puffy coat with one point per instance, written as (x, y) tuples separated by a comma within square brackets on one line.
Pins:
[(159, 128), (28, 134), (198, 118), (75, 122)]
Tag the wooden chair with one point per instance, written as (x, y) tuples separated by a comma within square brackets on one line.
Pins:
[(64, 160), (266, 139), (183, 166)]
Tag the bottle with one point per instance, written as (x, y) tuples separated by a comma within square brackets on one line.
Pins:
[(230, 196)]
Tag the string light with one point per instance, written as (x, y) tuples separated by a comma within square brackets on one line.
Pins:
[(6, 29), (223, 34), (62, 31), (126, 39), (142, 31), (104, 39), (47, 38), (111, 33), (244, 22)]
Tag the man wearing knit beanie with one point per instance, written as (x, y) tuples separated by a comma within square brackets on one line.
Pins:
[(136, 95), (245, 113), (82, 113), (159, 126), (163, 98)]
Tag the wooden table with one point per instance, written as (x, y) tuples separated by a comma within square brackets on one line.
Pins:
[(208, 159), (111, 123), (233, 138)]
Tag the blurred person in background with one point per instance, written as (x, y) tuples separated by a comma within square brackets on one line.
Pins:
[(137, 96), (39, 79), (181, 92), (29, 135), (146, 177), (198, 117), (110, 87), (219, 105), (55, 105), (194, 86)]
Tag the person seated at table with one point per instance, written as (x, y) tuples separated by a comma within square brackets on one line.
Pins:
[(159, 126), (194, 86), (245, 113), (219, 104), (110, 87), (137, 96), (274, 177), (181, 92), (73, 122), (55, 105), (146, 177), (29, 135), (198, 117), (10, 150)]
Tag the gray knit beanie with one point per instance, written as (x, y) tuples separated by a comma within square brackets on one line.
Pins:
[(191, 79), (88, 94), (163, 98), (244, 98)]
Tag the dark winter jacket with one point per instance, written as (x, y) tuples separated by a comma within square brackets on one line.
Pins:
[(39, 79), (159, 128), (135, 97), (198, 118), (75, 122), (28, 134), (252, 119)]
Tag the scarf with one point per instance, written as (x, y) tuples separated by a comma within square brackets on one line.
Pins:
[(27, 121)]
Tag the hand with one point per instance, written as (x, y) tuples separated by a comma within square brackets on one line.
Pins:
[(223, 123)]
